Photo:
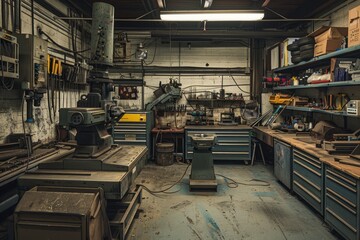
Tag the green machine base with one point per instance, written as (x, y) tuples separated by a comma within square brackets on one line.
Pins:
[(202, 175)]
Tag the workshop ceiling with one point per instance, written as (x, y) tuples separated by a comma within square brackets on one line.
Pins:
[(149, 11)]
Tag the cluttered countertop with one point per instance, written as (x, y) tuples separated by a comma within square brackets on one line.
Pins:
[(300, 142)]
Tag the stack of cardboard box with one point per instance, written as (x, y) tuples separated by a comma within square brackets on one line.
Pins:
[(328, 39), (354, 27)]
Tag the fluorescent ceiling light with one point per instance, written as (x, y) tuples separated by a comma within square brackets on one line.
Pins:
[(212, 15)]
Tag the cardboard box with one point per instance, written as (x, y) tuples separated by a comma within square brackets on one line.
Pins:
[(354, 27), (285, 55), (327, 46), (329, 33)]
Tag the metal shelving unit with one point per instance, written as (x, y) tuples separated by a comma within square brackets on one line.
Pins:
[(317, 110), (318, 61), (331, 192), (315, 62), (320, 85)]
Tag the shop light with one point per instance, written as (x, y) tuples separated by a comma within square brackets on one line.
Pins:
[(212, 15)]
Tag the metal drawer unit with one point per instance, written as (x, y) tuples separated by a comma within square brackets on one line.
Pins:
[(232, 144), (130, 133), (283, 162), (134, 129), (341, 203), (308, 179)]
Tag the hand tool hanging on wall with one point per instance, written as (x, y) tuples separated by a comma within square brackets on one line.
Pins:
[(52, 76), (58, 80), (54, 87), (48, 89)]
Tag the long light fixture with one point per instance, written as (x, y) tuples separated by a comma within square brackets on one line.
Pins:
[(212, 15)]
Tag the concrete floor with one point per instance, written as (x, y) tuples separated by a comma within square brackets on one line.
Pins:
[(246, 212)]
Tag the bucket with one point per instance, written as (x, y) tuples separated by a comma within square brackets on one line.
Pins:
[(164, 154)]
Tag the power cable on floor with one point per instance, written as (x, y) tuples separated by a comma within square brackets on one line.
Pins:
[(231, 184), (153, 192), (235, 184)]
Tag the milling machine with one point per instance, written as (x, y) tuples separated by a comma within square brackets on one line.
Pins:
[(98, 169)]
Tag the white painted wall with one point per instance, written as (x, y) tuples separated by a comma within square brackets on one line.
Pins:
[(200, 54), (11, 101)]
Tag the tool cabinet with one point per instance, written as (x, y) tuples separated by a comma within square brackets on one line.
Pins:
[(233, 142), (341, 202), (308, 179)]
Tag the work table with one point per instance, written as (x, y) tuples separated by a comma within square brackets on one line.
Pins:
[(323, 155)]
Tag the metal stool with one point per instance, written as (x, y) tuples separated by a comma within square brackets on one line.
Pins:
[(257, 143)]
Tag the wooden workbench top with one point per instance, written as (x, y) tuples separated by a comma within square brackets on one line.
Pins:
[(349, 169), (323, 155)]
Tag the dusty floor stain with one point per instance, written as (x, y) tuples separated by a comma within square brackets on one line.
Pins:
[(214, 228), (181, 205), (190, 220), (246, 212)]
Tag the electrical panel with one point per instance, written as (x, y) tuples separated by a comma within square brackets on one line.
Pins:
[(353, 107), (33, 61), (9, 56)]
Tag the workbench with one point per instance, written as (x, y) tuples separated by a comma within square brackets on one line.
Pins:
[(330, 187), (175, 135), (233, 142)]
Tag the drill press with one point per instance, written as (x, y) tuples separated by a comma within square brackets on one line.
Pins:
[(96, 110), (202, 175), (97, 170), (104, 164)]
